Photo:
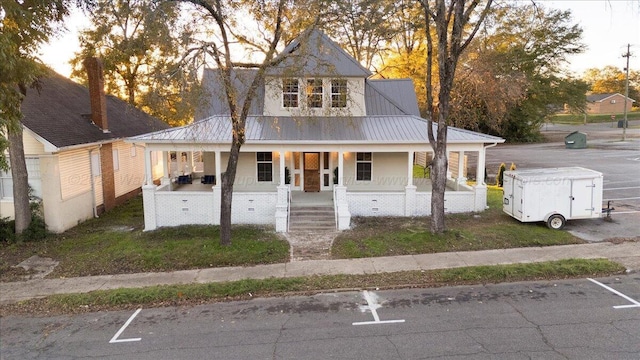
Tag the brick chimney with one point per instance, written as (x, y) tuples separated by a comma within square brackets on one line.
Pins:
[(93, 66)]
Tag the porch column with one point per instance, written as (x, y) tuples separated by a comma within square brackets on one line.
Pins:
[(480, 172), (218, 167), (340, 168), (166, 177), (282, 203), (480, 190), (148, 167), (461, 179), (410, 189), (340, 200), (282, 165)]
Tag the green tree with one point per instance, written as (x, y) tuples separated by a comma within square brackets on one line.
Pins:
[(513, 75), (24, 26), (611, 79), (455, 24), (140, 43)]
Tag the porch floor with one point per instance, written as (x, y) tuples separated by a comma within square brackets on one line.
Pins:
[(301, 198)]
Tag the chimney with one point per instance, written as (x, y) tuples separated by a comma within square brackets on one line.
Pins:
[(93, 66)]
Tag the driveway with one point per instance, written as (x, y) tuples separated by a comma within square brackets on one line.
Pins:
[(618, 160)]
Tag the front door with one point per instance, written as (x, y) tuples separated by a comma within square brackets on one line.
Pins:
[(311, 172)]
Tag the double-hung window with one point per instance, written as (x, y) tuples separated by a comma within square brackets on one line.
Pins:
[(338, 93), (363, 166), (264, 161), (290, 88), (314, 93)]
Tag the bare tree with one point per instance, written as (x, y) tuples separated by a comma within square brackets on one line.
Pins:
[(451, 25), (220, 11)]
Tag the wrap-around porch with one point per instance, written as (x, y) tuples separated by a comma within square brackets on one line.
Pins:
[(269, 182)]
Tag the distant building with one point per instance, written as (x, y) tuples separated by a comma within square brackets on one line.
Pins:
[(612, 103)]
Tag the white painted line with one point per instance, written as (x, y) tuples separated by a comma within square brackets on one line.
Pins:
[(634, 302), (622, 188), (631, 198), (372, 305), (115, 339), (626, 212)]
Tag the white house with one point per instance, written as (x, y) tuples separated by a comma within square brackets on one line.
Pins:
[(77, 161), (320, 132)]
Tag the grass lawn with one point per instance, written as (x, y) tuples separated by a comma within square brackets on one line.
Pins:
[(116, 244), (491, 229), (192, 294), (591, 118)]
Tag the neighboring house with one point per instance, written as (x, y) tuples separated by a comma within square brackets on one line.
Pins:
[(320, 132), (76, 159), (607, 103)]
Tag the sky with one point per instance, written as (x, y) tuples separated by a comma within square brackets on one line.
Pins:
[(608, 26)]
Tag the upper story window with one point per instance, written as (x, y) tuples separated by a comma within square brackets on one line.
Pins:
[(338, 93), (290, 90), (314, 93)]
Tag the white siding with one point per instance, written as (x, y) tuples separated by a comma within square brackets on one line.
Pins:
[(247, 173), (388, 172), (355, 99)]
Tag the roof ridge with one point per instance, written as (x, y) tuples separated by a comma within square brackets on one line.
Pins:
[(384, 95)]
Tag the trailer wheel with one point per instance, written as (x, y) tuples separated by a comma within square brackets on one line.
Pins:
[(556, 222)]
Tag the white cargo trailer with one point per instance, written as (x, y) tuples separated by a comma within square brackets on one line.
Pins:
[(552, 195)]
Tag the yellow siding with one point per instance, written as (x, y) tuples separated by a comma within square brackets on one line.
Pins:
[(130, 174), (75, 173), (31, 145)]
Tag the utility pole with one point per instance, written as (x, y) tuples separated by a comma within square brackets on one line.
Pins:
[(626, 94)]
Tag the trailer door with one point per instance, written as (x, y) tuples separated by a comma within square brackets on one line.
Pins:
[(507, 194), (582, 198)]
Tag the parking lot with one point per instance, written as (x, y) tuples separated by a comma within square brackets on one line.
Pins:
[(619, 161)]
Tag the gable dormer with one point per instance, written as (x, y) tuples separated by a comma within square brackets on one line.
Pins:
[(315, 77)]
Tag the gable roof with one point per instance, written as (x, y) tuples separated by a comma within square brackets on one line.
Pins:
[(313, 53), (60, 114), (603, 97), (399, 129)]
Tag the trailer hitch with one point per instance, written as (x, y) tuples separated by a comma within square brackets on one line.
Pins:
[(608, 211)]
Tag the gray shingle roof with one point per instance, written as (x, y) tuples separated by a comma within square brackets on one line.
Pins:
[(394, 129), (59, 113), (313, 53)]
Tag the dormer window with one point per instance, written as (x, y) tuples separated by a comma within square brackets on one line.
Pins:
[(338, 93), (290, 89), (314, 93)]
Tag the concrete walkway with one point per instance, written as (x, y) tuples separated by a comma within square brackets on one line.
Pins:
[(626, 253)]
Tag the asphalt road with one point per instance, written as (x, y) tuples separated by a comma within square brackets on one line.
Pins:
[(574, 319)]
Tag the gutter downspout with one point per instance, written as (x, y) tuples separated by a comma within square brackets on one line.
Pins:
[(93, 186)]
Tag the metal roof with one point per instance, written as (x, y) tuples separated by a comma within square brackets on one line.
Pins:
[(216, 98), (313, 53), (393, 129), (400, 92)]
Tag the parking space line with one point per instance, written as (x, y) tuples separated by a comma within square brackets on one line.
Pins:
[(635, 303), (115, 339), (372, 305)]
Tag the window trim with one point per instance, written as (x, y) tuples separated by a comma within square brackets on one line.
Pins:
[(315, 93), (288, 94), (364, 161), (339, 102), (264, 162)]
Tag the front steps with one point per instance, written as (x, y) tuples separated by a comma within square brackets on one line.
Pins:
[(312, 218)]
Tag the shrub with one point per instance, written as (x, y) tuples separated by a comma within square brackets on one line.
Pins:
[(512, 167), (500, 175)]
